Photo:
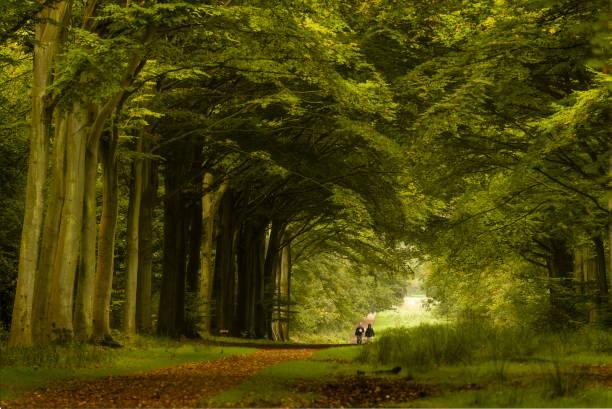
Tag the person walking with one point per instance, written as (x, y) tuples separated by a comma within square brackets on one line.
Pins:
[(369, 333), (359, 333)]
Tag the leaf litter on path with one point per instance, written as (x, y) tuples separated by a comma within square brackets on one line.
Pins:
[(180, 386)]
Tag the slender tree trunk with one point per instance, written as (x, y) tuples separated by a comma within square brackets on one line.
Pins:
[(106, 243), (55, 201), (258, 325), (225, 265), (195, 244), (131, 282), (246, 269), (83, 313), (610, 225), (145, 249), (560, 267), (46, 44), (67, 257), (171, 303), (210, 202), (602, 274), (284, 291), (271, 268)]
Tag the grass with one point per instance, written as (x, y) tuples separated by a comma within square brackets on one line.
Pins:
[(444, 344), (274, 386), (24, 369), (509, 397), (462, 366)]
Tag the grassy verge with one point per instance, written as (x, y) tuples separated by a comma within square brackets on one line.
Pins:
[(484, 368), (22, 370)]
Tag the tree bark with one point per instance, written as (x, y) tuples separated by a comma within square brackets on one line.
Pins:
[(225, 265), (66, 260), (271, 267), (210, 203), (47, 41), (195, 244), (171, 302), (601, 271), (560, 267), (131, 281), (55, 199), (145, 249), (285, 291), (83, 313), (258, 325), (106, 242)]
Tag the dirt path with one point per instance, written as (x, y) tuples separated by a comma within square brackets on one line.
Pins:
[(180, 386)]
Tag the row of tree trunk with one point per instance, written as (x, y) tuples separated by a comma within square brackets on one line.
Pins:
[(568, 285), (59, 236), (237, 267)]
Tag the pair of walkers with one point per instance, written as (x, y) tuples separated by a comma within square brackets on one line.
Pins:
[(360, 332)]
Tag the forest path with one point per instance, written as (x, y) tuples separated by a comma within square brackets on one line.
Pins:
[(180, 386)]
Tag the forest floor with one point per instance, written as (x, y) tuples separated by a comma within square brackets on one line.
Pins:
[(331, 377), (180, 386)]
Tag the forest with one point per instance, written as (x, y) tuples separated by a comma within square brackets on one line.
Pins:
[(236, 176)]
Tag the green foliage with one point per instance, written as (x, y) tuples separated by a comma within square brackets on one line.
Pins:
[(14, 85), (473, 342), (332, 293)]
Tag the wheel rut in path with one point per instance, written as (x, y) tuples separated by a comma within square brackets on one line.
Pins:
[(180, 386)]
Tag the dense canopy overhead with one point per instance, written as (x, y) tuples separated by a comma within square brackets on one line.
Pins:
[(200, 157)]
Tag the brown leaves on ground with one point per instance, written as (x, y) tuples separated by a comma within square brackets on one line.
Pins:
[(362, 391), (180, 386)]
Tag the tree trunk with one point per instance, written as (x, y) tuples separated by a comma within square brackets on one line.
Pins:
[(67, 255), (131, 280), (195, 244), (210, 203), (55, 200), (83, 313), (602, 274), (247, 258), (106, 242), (225, 265), (271, 267), (258, 325), (46, 44), (284, 291), (171, 302), (560, 267), (145, 249)]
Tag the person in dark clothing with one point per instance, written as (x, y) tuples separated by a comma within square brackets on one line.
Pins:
[(369, 333), (359, 333)]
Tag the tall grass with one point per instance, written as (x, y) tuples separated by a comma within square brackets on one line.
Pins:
[(465, 343), (76, 355)]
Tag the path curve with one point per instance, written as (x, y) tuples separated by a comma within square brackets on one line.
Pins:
[(179, 386)]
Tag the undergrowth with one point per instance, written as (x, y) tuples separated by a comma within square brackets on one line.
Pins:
[(465, 343)]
